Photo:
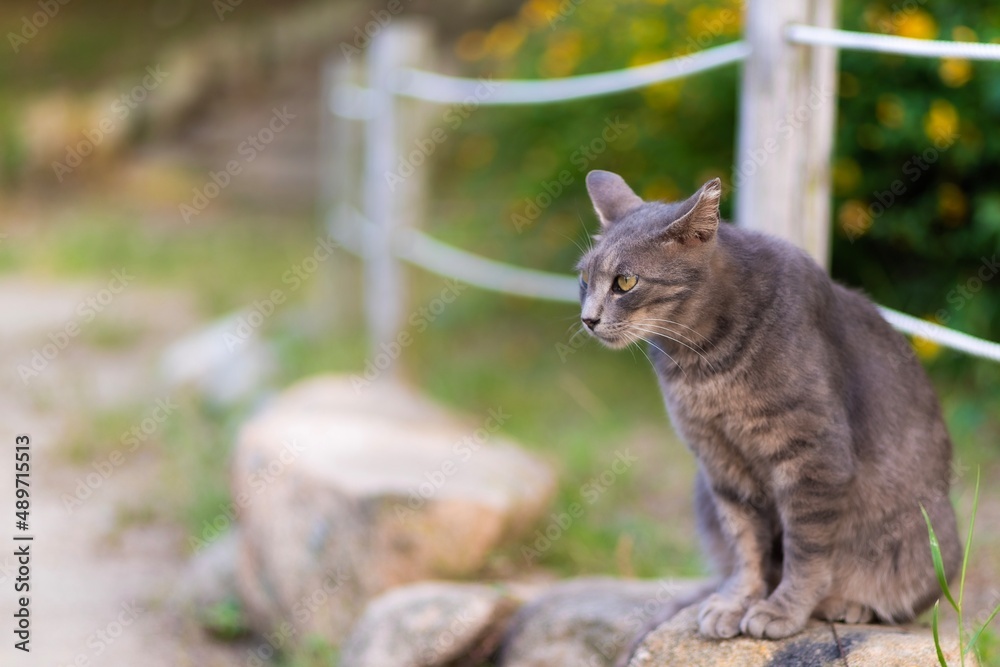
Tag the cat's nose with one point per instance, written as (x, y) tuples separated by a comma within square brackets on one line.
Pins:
[(591, 322)]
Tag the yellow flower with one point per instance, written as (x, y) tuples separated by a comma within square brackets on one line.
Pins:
[(562, 54), (955, 72), (854, 218), (662, 188), (645, 33), (504, 39), (889, 111), (925, 349), (846, 175), (537, 13), (952, 204), (471, 45), (941, 122), (646, 57), (663, 96), (916, 24), (962, 33)]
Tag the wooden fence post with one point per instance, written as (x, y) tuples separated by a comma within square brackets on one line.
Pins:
[(787, 115), (394, 184)]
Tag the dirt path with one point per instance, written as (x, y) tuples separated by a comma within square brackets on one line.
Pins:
[(100, 587)]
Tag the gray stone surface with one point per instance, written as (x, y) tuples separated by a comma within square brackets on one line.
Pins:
[(210, 576), (348, 490), (588, 622), (677, 642), (430, 624)]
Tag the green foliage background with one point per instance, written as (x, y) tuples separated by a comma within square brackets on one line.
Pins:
[(917, 254)]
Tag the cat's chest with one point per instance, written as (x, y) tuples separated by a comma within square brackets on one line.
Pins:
[(711, 400), (701, 410)]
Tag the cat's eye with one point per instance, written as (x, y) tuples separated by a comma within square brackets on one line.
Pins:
[(584, 278), (625, 283)]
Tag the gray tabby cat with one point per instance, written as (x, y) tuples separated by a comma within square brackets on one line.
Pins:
[(818, 435)]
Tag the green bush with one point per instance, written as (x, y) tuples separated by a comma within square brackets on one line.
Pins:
[(922, 126)]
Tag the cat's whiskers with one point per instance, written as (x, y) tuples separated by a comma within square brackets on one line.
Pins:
[(671, 338), (637, 337), (673, 331), (590, 239), (680, 324), (583, 251), (665, 333), (636, 342)]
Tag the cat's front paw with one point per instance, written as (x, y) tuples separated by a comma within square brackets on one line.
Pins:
[(768, 620), (837, 609), (719, 616)]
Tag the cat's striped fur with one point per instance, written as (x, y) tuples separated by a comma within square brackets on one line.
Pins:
[(817, 433)]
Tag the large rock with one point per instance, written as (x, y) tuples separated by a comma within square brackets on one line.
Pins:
[(210, 576), (349, 489), (590, 622), (677, 642), (431, 625)]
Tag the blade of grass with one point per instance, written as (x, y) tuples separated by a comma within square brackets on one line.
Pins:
[(938, 563), (975, 637), (968, 539), (937, 637)]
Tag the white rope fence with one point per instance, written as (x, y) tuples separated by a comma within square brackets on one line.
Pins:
[(862, 41), (450, 262), (956, 340), (444, 89), (355, 232)]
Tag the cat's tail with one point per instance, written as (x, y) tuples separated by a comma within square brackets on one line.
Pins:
[(663, 615)]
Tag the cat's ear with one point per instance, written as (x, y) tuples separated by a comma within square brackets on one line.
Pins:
[(700, 218), (613, 199)]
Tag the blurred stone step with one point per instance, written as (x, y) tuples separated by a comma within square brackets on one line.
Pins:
[(346, 488)]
